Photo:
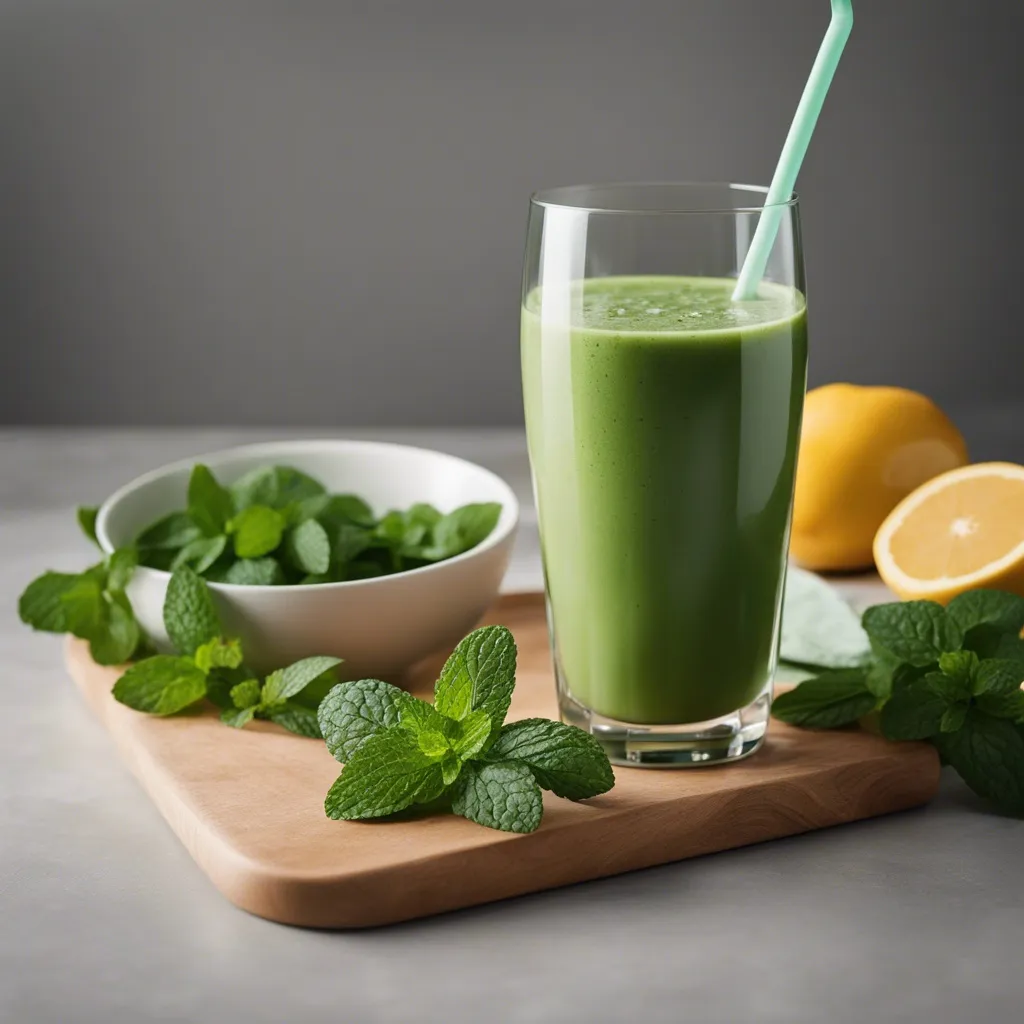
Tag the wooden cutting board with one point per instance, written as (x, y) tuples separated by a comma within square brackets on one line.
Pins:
[(248, 805)]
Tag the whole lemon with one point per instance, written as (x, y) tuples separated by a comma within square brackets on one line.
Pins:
[(862, 451)]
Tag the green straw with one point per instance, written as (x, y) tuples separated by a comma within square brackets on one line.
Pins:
[(795, 149)]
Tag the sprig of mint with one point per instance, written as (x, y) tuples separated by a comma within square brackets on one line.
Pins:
[(93, 605), (400, 751), (950, 676), (277, 525), (90, 604), (210, 665)]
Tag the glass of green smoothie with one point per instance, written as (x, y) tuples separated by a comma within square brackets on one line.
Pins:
[(663, 418)]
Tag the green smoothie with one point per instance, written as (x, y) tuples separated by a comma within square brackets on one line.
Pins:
[(663, 421)]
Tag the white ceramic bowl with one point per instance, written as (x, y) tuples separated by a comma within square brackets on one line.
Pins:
[(379, 626)]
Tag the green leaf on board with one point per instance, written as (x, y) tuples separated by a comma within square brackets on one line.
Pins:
[(502, 795), (916, 632), (386, 774), (288, 682), (913, 712), (563, 759), (353, 712), (161, 685), (830, 700), (480, 674), (988, 754)]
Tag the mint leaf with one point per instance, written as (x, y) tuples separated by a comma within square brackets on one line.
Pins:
[(959, 665), (255, 572), (502, 795), (420, 715), (949, 689), (828, 701), (246, 694), (916, 632), (218, 653), (161, 685), (463, 529), (391, 529), (276, 486), (471, 734), (1003, 705), (170, 533), (955, 681), (257, 487), (1010, 648), (42, 604), (84, 607), (113, 639), (353, 712), (346, 508), (200, 554), (287, 682), (120, 568), (102, 617), (953, 718), (988, 754), (422, 514), (564, 759), (408, 532), (913, 712), (294, 485), (451, 768), (297, 719), (87, 521), (883, 671), (308, 547), (347, 542), (209, 504), (237, 717), (995, 608), (479, 675), (386, 774), (819, 628), (221, 681), (434, 743), (998, 676), (314, 692), (308, 508), (256, 531), (190, 617)]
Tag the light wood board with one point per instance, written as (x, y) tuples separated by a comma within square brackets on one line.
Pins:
[(248, 805)]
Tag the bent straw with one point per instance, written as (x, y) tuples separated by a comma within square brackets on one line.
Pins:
[(795, 149)]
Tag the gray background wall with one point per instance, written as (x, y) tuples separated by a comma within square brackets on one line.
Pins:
[(312, 213)]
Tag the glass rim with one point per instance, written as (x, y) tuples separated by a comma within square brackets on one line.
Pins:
[(549, 197)]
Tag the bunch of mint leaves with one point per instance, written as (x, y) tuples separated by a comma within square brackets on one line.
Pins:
[(951, 676), (277, 525), (91, 604), (399, 751), (210, 665)]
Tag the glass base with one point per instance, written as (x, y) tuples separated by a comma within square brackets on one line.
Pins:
[(717, 741)]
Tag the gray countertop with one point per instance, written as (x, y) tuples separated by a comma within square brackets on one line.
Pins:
[(104, 917)]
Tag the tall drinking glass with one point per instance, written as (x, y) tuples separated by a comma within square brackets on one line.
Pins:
[(663, 420)]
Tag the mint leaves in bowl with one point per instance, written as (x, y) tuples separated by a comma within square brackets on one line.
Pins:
[(376, 553)]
